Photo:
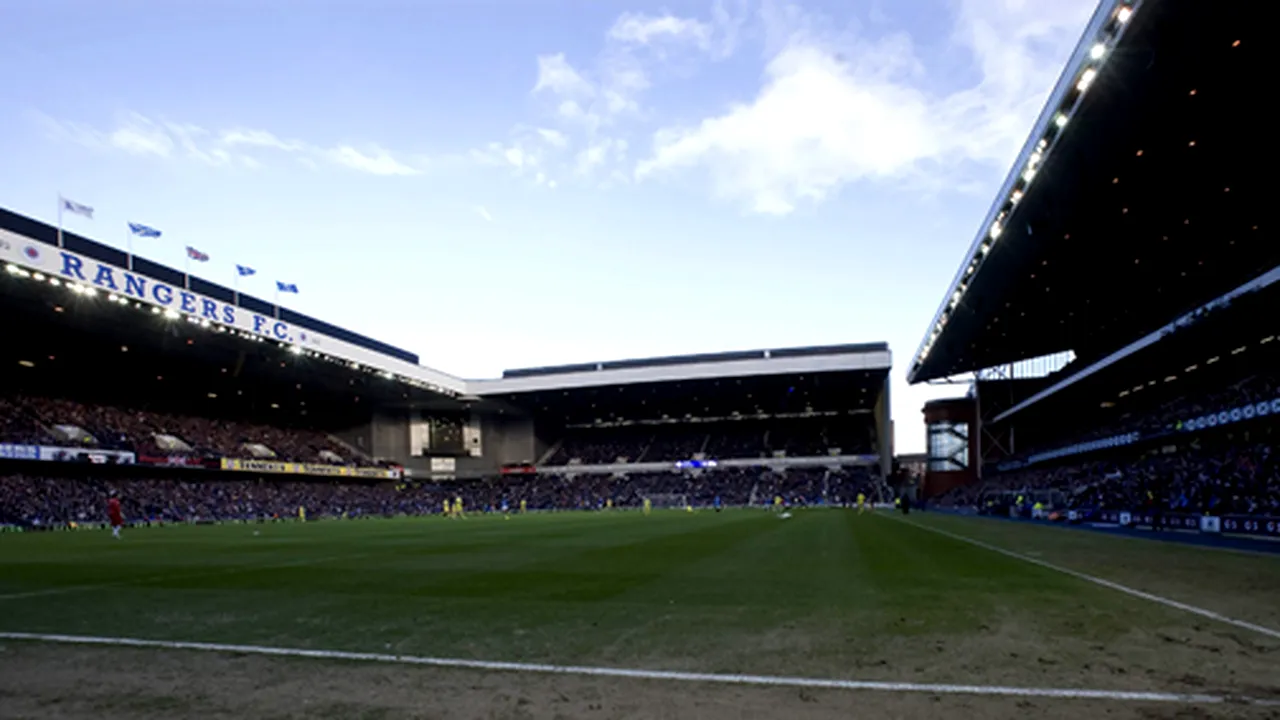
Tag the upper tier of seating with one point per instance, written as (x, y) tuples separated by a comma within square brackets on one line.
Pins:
[(64, 423), (749, 438)]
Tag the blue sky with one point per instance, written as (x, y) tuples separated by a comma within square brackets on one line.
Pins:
[(505, 184)]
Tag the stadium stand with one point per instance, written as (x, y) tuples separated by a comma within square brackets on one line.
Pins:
[(1114, 316), (47, 502), (159, 435), (749, 438), (136, 381), (1213, 479)]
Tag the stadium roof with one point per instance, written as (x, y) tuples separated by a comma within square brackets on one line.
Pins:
[(704, 398), (1221, 359), (1139, 195), (64, 344), (48, 234), (787, 361), (829, 379), (83, 269)]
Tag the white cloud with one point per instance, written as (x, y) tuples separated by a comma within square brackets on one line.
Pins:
[(257, 138), (834, 112), (640, 29), (555, 138), (1019, 47), (818, 123), (190, 138), (517, 157), (137, 134), (529, 153), (589, 103), (596, 155), (556, 75), (483, 213), (133, 140), (379, 162)]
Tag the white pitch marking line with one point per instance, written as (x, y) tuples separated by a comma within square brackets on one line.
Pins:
[(1260, 629), (760, 680)]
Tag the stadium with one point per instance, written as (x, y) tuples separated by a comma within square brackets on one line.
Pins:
[(315, 523)]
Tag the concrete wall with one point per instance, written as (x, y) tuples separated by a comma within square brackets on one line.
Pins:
[(391, 435), (884, 430), (509, 439), (505, 439), (359, 437)]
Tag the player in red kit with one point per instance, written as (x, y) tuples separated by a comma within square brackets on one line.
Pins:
[(115, 516)]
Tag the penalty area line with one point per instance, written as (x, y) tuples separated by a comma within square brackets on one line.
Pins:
[(608, 672), (1152, 597)]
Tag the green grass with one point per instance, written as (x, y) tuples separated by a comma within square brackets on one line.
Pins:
[(827, 593)]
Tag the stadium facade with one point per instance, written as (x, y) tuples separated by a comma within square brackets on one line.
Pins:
[(1118, 299), (89, 322)]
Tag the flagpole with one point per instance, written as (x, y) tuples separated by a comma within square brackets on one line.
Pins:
[(277, 300), (186, 271), (60, 204), (235, 288), (129, 239)]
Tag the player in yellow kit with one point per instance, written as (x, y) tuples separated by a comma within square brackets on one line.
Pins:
[(777, 503), (648, 506), (302, 514), (862, 503), (457, 507), (445, 509), (524, 506)]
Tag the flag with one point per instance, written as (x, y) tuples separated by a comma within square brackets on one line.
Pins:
[(245, 270), (196, 255), (143, 231), (76, 208), (286, 287)]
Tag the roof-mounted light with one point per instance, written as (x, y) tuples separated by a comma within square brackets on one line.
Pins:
[(1097, 51), (1086, 79), (1123, 14)]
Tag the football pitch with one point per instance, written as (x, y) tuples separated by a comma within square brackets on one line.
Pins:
[(615, 614)]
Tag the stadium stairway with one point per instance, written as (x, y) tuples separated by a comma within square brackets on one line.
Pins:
[(551, 452), (355, 451), (645, 451)]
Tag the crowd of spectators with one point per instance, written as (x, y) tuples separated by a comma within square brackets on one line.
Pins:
[(1223, 478), (36, 421), (29, 501), (1166, 470), (745, 439), (1164, 417), (17, 426)]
